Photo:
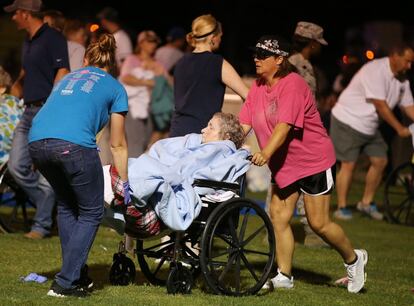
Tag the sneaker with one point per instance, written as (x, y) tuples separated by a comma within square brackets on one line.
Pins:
[(370, 210), (356, 272), (57, 291), (343, 214), (85, 281), (279, 281)]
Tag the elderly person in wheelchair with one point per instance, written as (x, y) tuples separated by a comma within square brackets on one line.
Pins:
[(161, 179), (193, 188)]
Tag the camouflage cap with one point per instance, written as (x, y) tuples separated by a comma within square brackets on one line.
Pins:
[(310, 30)]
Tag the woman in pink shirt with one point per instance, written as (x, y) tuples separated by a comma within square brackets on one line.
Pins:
[(281, 109)]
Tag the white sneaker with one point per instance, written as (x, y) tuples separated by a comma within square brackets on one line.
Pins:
[(356, 272), (279, 281)]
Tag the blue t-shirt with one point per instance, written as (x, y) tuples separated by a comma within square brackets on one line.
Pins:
[(79, 107)]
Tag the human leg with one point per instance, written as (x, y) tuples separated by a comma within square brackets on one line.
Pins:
[(281, 212), (36, 187), (377, 152), (373, 178), (317, 211), (76, 175), (343, 184), (87, 186)]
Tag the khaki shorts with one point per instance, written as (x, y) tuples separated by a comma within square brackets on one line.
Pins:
[(350, 143)]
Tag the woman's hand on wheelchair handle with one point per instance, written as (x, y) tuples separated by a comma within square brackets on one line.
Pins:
[(260, 159)]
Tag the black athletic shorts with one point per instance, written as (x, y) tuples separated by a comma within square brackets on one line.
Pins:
[(314, 185)]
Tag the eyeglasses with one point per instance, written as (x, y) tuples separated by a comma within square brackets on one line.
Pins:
[(261, 55)]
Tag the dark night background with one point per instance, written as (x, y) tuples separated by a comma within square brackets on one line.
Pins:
[(244, 21)]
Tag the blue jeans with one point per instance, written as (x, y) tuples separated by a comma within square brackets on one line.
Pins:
[(76, 175), (32, 182)]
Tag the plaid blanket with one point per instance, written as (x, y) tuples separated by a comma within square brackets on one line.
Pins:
[(140, 222)]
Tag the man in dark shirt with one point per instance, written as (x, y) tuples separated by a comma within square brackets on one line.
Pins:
[(44, 62)]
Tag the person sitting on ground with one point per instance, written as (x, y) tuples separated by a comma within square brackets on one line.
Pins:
[(10, 113)]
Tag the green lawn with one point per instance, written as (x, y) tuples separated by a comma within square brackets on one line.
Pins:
[(390, 271)]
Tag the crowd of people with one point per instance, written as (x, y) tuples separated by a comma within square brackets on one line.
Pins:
[(75, 94)]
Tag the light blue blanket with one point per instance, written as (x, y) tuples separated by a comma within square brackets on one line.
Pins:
[(163, 177)]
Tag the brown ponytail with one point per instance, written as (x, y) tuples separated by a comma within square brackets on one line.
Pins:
[(101, 53)]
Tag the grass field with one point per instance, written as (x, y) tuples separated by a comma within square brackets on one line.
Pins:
[(390, 271)]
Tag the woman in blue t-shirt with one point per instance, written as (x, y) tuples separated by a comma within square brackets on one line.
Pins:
[(62, 144)]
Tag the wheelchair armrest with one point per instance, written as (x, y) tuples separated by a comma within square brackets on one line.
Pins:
[(216, 185)]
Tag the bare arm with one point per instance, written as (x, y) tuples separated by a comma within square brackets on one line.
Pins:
[(60, 74), (17, 87), (232, 79), (278, 138), (119, 148), (385, 112), (246, 129), (133, 81), (409, 111)]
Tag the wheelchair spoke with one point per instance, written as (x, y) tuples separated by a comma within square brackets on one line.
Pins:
[(238, 273), (407, 216), (228, 266), (217, 263), (226, 240), (249, 267), (244, 225), (221, 254), (257, 252), (401, 208), (233, 231), (245, 242), (396, 193)]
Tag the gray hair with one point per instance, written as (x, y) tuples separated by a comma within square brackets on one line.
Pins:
[(231, 128)]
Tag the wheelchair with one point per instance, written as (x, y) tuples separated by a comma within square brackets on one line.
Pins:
[(230, 243), (16, 210), (399, 195)]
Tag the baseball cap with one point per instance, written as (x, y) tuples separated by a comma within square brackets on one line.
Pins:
[(28, 5), (149, 36), (310, 30), (176, 33), (270, 45), (109, 14)]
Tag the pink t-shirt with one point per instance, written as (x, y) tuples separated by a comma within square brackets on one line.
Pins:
[(308, 150)]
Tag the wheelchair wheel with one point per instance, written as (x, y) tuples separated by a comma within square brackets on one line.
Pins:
[(180, 280), (154, 257), (15, 208), (122, 271), (399, 195), (237, 248)]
